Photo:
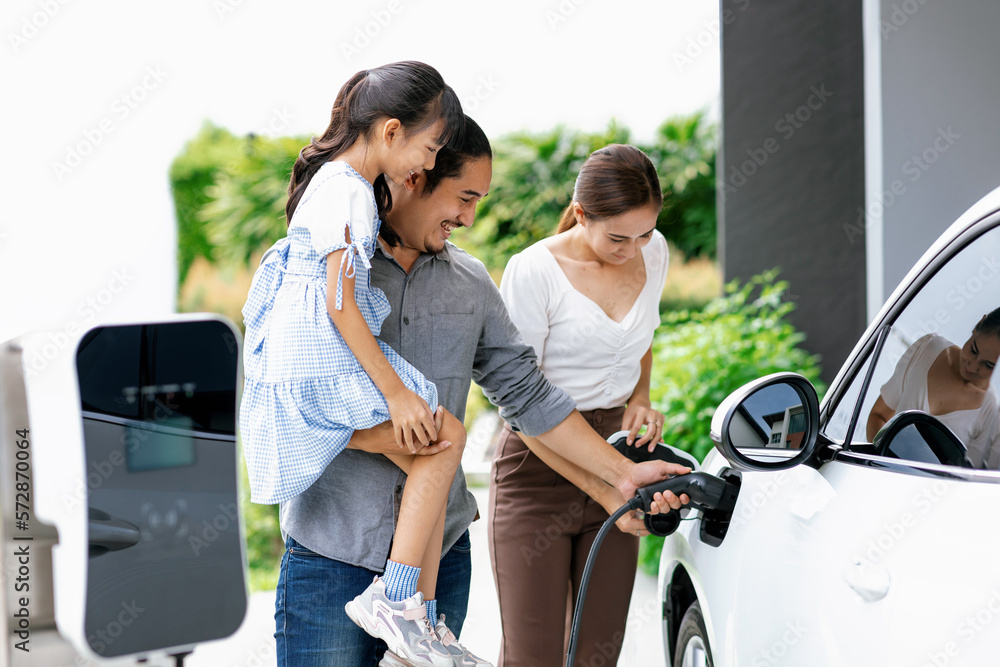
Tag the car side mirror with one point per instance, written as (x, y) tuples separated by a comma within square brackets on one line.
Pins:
[(914, 435), (771, 423)]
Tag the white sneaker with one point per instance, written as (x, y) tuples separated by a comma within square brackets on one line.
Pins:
[(462, 656), (403, 626)]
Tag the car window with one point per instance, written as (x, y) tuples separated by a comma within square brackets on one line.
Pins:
[(922, 366), (836, 427)]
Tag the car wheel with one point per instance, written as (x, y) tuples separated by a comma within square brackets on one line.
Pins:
[(692, 640)]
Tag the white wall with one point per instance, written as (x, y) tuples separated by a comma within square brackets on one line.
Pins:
[(940, 127)]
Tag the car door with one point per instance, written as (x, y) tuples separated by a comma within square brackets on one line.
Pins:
[(870, 558)]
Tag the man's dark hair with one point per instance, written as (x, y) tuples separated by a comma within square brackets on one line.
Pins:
[(471, 145)]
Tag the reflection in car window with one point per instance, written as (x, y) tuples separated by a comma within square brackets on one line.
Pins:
[(935, 360)]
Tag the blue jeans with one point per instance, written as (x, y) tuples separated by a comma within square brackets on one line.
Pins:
[(313, 630)]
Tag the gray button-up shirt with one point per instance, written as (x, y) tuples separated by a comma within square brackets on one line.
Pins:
[(449, 321)]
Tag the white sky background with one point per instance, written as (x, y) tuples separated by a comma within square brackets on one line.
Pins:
[(129, 82)]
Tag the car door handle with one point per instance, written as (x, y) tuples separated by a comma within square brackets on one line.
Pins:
[(870, 581), (107, 533)]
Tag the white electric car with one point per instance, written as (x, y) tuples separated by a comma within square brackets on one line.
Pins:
[(844, 549)]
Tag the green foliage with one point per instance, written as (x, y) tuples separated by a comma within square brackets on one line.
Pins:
[(191, 174), (230, 191), (684, 155), (263, 536), (246, 208), (699, 358), (533, 177), (534, 174), (229, 195)]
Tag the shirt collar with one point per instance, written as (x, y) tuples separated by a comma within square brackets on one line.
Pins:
[(444, 255)]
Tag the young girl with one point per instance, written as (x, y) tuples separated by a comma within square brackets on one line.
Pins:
[(587, 300), (315, 372)]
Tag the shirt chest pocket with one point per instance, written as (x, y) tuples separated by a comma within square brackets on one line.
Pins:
[(453, 344)]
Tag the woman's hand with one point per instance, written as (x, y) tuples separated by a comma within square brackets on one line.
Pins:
[(412, 420), (637, 415), (631, 523)]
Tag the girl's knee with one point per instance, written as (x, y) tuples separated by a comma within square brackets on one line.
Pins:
[(453, 431)]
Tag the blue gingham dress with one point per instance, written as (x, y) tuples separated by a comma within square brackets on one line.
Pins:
[(304, 392)]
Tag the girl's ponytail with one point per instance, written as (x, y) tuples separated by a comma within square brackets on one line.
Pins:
[(320, 151), (410, 91)]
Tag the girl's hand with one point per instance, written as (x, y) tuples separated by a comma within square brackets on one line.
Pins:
[(441, 445), (638, 414), (412, 420)]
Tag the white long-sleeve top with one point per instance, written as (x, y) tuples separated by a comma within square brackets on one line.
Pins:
[(580, 349)]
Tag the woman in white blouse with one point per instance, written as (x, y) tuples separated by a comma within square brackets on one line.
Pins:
[(587, 300), (953, 384)]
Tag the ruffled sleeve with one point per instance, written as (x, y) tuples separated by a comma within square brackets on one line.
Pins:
[(525, 288), (340, 204), (659, 242)]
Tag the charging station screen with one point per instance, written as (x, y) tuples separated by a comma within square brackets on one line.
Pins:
[(165, 566), (157, 449)]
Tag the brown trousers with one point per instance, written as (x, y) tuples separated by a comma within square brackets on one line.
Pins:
[(540, 530)]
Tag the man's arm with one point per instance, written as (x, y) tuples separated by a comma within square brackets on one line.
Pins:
[(381, 439), (507, 370), (606, 495), (574, 440)]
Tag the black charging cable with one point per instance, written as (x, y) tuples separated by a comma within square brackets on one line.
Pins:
[(631, 505), (705, 492)]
